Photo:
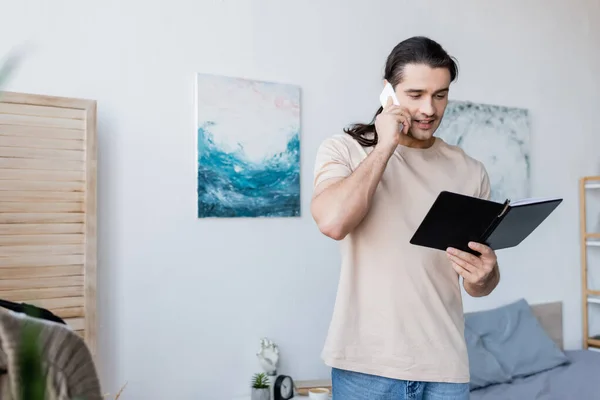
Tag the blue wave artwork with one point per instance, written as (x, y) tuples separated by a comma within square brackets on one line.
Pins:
[(248, 148)]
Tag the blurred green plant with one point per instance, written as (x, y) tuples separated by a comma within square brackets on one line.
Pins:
[(8, 67), (32, 382)]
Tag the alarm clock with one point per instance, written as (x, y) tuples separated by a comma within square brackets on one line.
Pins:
[(283, 388)]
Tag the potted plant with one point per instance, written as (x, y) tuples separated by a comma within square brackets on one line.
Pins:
[(260, 387)]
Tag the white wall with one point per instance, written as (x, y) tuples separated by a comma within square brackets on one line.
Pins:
[(183, 301)]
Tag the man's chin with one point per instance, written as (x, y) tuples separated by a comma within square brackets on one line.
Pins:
[(422, 136)]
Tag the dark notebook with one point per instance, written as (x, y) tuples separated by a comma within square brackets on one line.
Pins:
[(455, 219)]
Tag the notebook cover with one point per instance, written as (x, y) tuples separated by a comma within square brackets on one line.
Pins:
[(520, 222), (454, 220)]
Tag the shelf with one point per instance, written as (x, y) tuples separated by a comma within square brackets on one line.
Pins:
[(595, 300), (594, 349), (594, 342), (587, 239), (595, 239)]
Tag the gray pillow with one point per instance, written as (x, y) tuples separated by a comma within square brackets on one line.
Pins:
[(485, 370), (516, 339)]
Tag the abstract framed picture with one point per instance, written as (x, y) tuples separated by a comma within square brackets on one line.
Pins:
[(248, 148), (499, 137)]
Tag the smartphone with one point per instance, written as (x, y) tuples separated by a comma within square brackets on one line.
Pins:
[(388, 91)]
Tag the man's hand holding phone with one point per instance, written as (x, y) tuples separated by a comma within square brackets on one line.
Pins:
[(340, 204), (388, 123)]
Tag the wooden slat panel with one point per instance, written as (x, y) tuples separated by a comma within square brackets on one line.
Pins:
[(40, 283), (45, 100), (57, 186), (28, 240), (32, 120), (40, 261), (32, 195), (40, 207), (41, 175), (42, 111), (27, 142), (76, 324), (42, 218), (43, 154), (41, 250), (42, 272), (49, 165), (54, 303), (32, 229), (39, 294), (41, 132), (48, 206), (69, 312), (91, 230), (80, 333)]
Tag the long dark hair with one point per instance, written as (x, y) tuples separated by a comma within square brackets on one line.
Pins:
[(415, 50)]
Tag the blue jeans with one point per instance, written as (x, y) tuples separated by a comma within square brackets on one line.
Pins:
[(348, 385)]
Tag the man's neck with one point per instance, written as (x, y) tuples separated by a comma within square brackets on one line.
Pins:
[(410, 141)]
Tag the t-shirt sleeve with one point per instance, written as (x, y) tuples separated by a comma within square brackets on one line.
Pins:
[(332, 161), (485, 186)]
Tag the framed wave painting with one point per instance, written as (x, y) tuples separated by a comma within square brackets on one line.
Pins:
[(248, 148)]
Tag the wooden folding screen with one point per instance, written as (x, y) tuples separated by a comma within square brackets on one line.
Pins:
[(48, 206)]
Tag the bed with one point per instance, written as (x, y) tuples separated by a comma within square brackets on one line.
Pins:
[(516, 353)]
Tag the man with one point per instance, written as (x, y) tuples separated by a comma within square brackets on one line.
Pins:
[(397, 326)]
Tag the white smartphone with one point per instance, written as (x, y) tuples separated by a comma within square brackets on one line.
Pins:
[(388, 91)]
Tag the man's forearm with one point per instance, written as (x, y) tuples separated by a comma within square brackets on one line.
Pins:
[(339, 208), (486, 287)]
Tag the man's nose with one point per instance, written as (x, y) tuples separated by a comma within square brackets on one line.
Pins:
[(427, 107)]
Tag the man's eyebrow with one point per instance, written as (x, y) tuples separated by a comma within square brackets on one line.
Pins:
[(422, 91)]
